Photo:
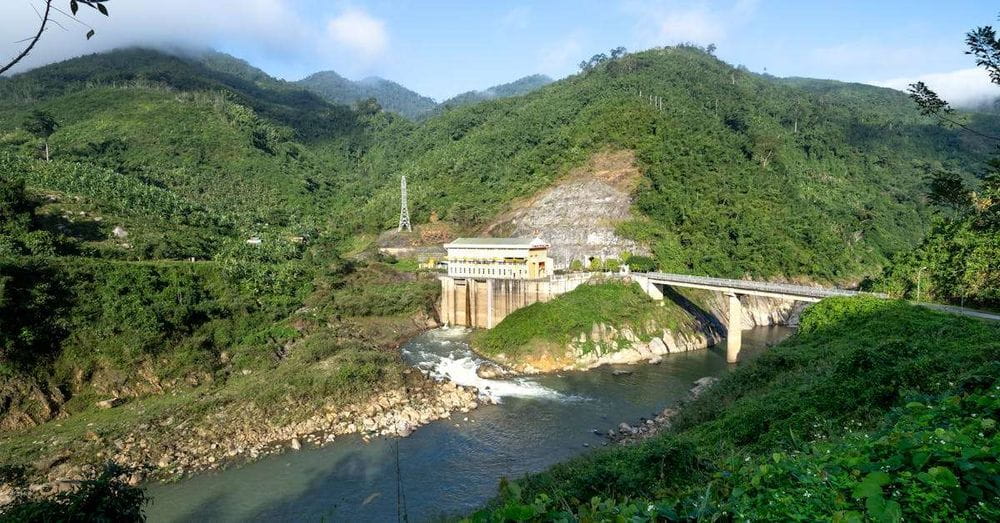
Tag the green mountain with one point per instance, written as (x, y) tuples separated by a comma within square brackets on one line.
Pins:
[(516, 88), (390, 95), (160, 158), (742, 173)]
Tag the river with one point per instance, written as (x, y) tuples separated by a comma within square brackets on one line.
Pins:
[(450, 466)]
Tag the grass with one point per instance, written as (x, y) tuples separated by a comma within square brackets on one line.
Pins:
[(827, 408), (563, 319)]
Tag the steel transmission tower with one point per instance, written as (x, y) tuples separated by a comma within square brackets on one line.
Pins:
[(404, 212)]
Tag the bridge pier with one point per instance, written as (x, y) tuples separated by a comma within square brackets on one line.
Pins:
[(734, 332)]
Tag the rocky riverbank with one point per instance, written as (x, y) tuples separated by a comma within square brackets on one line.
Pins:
[(174, 448), (703, 324), (626, 433)]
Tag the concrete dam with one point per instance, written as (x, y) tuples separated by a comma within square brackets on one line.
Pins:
[(484, 302)]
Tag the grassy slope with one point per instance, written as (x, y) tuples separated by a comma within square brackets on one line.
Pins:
[(563, 319), (759, 440)]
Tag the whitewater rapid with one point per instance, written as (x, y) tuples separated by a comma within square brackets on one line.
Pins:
[(445, 354)]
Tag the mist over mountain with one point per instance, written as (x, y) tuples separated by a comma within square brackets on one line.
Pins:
[(516, 88), (390, 95)]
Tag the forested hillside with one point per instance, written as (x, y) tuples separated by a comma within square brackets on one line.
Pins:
[(516, 88), (390, 95), (744, 174)]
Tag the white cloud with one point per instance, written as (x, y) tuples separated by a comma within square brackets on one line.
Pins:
[(560, 58), (962, 88), (272, 28), (356, 29), (668, 22), (517, 18)]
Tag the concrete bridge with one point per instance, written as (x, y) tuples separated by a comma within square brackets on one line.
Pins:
[(653, 283)]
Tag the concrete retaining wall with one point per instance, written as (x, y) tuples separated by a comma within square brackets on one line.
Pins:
[(484, 302)]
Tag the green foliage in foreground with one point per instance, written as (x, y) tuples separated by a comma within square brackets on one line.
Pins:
[(875, 410), (105, 496), (563, 319)]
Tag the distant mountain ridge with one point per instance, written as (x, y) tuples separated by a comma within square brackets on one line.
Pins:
[(516, 88), (390, 95)]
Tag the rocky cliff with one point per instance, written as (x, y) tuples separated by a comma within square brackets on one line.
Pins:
[(578, 214)]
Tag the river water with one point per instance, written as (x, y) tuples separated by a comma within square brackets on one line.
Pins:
[(450, 466)]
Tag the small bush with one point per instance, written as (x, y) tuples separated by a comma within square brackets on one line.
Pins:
[(641, 264)]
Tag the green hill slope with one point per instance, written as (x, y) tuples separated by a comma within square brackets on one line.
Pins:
[(390, 95), (516, 88), (876, 410), (743, 173)]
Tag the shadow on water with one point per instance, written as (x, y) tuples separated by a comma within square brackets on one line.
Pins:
[(450, 466)]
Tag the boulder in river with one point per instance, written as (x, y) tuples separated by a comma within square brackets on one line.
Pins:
[(295, 444), (702, 384), (492, 371)]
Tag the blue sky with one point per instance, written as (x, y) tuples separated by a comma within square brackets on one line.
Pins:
[(442, 48)]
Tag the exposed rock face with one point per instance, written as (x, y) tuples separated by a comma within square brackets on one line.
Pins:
[(607, 345), (705, 325), (244, 432), (758, 311), (578, 215)]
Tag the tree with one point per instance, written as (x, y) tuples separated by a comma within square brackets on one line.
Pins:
[(711, 49), (46, 17), (983, 44), (948, 190), (42, 125)]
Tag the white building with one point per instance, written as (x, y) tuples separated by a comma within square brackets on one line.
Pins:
[(499, 258)]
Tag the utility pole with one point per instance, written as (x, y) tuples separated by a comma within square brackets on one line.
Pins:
[(404, 211)]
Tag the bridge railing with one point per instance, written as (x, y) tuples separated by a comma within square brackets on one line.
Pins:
[(781, 288)]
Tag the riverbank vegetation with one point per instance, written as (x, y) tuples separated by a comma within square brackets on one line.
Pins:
[(873, 410), (557, 323)]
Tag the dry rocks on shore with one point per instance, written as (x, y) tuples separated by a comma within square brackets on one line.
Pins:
[(176, 448), (626, 433)]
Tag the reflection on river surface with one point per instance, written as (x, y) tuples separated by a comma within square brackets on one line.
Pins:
[(450, 466)]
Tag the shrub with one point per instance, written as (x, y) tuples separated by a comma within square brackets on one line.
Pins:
[(641, 264)]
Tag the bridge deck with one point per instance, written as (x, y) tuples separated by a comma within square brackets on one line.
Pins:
[(776, 290)]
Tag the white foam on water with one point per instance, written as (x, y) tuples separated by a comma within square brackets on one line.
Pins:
[(445, 354)]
